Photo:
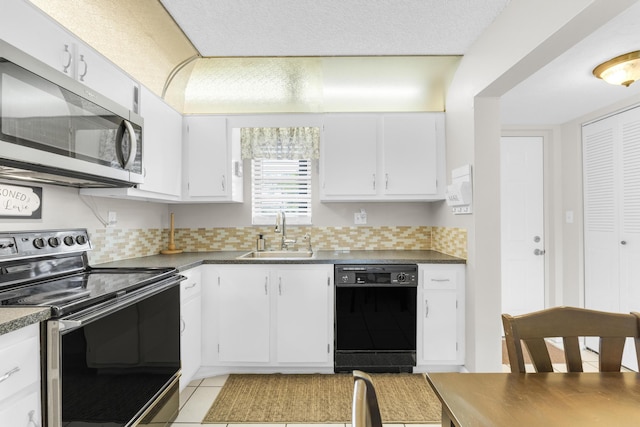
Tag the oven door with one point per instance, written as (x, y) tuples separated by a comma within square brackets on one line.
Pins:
[(118, 363), (375, 328)]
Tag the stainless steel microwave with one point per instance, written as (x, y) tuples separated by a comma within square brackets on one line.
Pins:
[(53, 129)]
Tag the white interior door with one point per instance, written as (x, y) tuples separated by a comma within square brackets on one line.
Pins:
[(522, 224)]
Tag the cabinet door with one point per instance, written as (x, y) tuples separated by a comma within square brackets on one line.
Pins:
[(162, 146), (441, 309), (302, 323), (207, 156), (409, 154), (101, 75), (191, 330), (440, 325), (243, 312), (190, 325), (29, 29), (349, 155), (23, 410)]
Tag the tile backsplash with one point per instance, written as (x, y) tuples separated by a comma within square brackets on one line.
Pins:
[(113, 244)]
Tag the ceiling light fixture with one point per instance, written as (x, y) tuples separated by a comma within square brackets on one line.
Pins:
[(621, 70)]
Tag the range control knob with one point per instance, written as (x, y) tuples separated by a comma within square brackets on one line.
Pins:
[(402, 277), (69, 241), (81, 239), (54, 242), (39, 243)]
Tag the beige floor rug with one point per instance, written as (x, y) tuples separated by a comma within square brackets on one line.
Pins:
[(320, 398)]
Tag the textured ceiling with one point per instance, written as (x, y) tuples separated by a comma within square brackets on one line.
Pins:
[(333, 27)]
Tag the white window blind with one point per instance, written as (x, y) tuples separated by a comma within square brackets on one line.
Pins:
[(281, 185)]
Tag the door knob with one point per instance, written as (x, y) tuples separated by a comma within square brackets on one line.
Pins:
[(538, 251)]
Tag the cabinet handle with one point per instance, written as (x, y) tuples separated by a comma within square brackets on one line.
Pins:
[(374, 181), (9, 373), (279, 285), (440, 280), (183, 325), (386, 181), (66, 64), (86, 68), (426, 309), (224, 184), (31, 420), (266, 285), (193, 285)]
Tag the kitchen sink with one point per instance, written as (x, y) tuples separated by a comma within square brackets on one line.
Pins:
[(278, 255)]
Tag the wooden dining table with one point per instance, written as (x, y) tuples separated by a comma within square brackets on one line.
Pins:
[(538, 399)]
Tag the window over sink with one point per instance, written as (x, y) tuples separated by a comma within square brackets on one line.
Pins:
[(280, 171)]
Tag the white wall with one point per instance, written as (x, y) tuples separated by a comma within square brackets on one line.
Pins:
[(525, 37), (63, 207)]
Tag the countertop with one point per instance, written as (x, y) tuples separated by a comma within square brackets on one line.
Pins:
[(187, 260), (12, 318)]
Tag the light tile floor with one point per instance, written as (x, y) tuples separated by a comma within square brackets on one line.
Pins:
[(197, 397)]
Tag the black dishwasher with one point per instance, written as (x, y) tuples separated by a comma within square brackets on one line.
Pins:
[(375, 326)]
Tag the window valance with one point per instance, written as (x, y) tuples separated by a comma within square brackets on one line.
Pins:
[(290, 143)]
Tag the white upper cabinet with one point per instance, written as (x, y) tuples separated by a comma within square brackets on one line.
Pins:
[(32, 31), (382, 157), (162, 146), (349, 156), (212, 160), (410, 154)]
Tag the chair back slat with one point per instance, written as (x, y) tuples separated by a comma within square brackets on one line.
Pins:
[(539, 354), (572, 354), (569, 323), (611, 349)]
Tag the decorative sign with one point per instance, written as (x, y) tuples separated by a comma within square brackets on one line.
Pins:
[(17, 201)]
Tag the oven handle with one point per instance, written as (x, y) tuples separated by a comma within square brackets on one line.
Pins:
[(92, 314)]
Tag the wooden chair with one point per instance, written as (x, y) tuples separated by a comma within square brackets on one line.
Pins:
[(365, 411), (570, 323)]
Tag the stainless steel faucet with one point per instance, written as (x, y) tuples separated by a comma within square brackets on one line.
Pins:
[(281, 227)]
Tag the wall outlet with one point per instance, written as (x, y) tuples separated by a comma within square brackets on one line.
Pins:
[(112, 219), (360, 218)]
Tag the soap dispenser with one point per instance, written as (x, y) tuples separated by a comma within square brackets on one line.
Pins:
[(260, 243)]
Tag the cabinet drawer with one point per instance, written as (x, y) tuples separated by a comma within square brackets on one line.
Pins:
[(19, 365), (191, 286), (440, 279)]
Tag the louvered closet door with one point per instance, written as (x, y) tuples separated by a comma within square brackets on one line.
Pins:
[(629, 237), (611, 156), (600, 215)]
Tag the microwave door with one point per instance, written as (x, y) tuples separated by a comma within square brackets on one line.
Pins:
[(33, 113)]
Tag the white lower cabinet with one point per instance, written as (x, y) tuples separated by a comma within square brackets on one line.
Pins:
[(441, 315), (20, 378), (190, 325), (303, 315), (268, 316), (243, 315)]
